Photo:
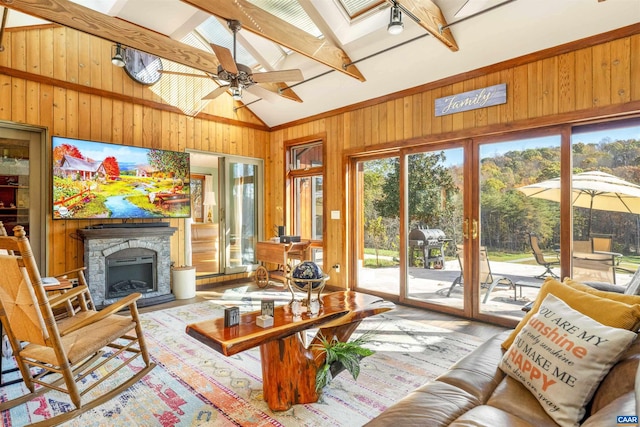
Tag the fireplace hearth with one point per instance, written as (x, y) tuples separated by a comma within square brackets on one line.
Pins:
[(121, 261)]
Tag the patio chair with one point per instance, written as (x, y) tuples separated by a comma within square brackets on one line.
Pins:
[(83, 351), (593, 268), (540, 257), (487, 280)]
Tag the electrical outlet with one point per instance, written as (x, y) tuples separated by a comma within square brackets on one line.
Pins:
[(336, 267), (74, 281)]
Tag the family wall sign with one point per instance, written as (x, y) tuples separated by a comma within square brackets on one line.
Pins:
[(472, 100)]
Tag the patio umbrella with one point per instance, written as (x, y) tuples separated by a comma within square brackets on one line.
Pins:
[(592, 190)]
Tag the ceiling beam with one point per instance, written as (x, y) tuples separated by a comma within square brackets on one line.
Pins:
[(264, 24), (89, 21), (431, 19)]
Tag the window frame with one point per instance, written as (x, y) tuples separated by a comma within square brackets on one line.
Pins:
[(292, 175)]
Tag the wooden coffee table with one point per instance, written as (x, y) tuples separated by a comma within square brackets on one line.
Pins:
[(288, 366)]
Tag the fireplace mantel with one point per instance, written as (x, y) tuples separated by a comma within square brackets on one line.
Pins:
[(125, 232)]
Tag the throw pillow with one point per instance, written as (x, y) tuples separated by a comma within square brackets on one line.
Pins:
[(596, 304), (561, 356)]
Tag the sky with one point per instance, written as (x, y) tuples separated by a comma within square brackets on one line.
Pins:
[(100, 150)]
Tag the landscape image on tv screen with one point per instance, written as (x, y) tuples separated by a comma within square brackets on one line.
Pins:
[(95, 180)]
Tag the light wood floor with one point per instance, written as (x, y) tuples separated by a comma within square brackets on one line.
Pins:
[(447, 321)]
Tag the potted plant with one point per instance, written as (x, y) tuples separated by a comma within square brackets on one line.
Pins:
[(340, 356)]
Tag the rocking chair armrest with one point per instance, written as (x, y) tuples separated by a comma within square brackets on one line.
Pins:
[(80, 274), (70, 294), (127, 301)]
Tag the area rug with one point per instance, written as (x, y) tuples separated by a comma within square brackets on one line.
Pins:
[(193, 385)]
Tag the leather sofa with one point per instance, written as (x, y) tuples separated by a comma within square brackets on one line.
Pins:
[(475, 392)]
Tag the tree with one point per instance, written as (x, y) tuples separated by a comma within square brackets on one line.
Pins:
[(431, 188), (66, 150), (377, 233), (111, 167), (169, 160)]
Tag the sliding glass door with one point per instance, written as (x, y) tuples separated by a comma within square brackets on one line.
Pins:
[(377, 219), (509, 215), (433, 226), (408, 221), (242, 219)]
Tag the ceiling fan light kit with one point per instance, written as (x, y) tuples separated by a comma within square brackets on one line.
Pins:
[(236, 93), (396, 26), (239, 76), (117, 58)]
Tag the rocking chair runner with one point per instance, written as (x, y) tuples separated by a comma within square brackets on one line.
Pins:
[(73, 348), (486, 277)]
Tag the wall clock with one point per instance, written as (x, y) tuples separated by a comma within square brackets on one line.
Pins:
[(142, 67)]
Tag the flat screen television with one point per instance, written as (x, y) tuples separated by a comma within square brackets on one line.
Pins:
[(97, 180)]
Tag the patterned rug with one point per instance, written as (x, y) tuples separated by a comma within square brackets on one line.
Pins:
[(195, 386)]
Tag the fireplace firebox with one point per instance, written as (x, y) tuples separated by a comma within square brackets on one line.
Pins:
[(130, 270)]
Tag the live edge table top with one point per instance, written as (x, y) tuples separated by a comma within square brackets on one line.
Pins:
[(337, 308)]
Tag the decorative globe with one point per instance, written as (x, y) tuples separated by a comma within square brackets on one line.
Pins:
[(307, 270)]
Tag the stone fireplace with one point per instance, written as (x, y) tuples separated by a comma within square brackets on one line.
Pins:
[(121, 261)]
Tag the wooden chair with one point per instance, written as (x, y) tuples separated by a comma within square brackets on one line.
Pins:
[(540, 257), (487, 280), (81, 305), (75, 347)]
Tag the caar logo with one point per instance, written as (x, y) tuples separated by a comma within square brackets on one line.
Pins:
[(627, 420)]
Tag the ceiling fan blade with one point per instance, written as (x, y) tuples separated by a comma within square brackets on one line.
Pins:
[(180, 73), (216, 92), (226, 58), (294, 75), (263, 93)]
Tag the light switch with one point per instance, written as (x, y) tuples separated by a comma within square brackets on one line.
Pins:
[(335, 214)]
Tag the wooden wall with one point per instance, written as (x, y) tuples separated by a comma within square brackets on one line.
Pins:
[(62, 80), (593, 78)]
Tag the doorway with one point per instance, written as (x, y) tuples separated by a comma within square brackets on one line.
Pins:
[(225, 224), (23, 184)]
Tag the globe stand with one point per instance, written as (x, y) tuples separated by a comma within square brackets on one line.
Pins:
[(308, 286)]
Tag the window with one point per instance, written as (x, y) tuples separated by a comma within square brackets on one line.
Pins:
[(306, 184)]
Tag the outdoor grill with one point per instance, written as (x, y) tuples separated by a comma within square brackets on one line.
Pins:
[(427, 244)]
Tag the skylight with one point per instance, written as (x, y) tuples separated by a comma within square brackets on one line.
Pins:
[(290, 11), (356, 8), (215, 32)]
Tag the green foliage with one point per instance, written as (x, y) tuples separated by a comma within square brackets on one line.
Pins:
[(348, 354), (378, 233), (169, 160)]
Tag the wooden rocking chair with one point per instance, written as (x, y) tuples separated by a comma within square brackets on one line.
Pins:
[(75, 347)]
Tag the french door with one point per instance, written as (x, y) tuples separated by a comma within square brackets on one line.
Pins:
[(408, 220)]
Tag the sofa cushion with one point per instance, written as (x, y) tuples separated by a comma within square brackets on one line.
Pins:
[(434, 404), (561, 356), (607, 416), (514, 398), (477, 373), (620, 379), (600, 306), (488, 416)]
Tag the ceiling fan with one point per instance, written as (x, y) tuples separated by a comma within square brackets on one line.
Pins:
[(239, 77)]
